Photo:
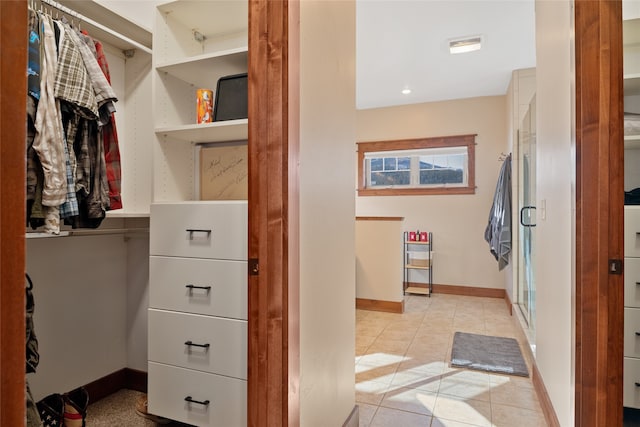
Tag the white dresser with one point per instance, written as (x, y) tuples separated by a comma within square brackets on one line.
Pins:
[(198, 312), (631, 392)]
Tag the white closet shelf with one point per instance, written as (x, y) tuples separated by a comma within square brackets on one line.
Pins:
[(117, 214), (106, 25), (191, 70), (85, 232), (206, 17), (224, 131)]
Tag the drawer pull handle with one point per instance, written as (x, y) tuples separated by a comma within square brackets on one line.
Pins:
[(191, 400), (638, 334), (637, 283), (192, 344), (637, 384), (191, 232), (192, 287)]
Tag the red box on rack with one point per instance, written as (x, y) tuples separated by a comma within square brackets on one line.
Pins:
[(424, 237), (412, 236)]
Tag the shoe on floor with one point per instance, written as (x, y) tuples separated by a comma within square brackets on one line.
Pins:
[(141, 409), (51, 410), (75, 407)]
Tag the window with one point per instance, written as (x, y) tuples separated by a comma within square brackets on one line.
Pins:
[(443, 165)]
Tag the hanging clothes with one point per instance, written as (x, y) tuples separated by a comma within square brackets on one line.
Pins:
[(498, 231), (73, 158), (49, 139), (110, 140), (32, 355)]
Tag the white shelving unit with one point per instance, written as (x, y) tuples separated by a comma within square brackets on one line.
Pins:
[(199, 375), (418, 265), (195, 43)]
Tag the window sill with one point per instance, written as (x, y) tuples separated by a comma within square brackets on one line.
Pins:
[(415, 191)]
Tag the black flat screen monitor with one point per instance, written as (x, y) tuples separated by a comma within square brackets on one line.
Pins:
[(231, 98)]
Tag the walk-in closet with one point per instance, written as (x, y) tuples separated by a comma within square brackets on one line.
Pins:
[(90, 281)]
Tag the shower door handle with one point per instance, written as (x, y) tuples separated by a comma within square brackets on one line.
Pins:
[(527, 209)]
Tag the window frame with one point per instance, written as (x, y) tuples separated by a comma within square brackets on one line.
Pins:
[(468, 141)]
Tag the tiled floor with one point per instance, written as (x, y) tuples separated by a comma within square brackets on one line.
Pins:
[(403, 377)]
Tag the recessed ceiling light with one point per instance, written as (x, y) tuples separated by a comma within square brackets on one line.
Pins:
[(406, 91), (466, 44)]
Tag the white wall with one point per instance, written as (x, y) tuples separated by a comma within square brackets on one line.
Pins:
[(461, 255), (137, 300), (91, 296), (80, 291), (327, 243), (555, 183)]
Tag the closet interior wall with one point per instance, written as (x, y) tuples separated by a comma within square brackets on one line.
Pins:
[(91, 288)]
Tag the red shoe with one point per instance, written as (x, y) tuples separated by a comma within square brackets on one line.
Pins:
[(75, 407)]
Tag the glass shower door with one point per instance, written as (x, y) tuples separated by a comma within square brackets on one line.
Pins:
[(527, 215)]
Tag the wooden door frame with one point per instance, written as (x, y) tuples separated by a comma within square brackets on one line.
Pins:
[(13, 98), (599, 213), (274, 346), (273, 361)]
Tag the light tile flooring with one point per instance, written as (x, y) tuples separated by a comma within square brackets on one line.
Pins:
[(403, 375)]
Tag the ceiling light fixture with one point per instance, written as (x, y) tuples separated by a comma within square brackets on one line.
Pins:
[(406, 91), (466, 44)]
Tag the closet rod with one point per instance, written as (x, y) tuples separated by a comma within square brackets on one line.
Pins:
[(85, 232), (93, 23)]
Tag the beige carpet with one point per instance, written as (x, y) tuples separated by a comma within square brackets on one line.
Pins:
[(119, 409)]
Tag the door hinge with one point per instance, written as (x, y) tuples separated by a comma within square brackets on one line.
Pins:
[(615, 266), (254, 267)]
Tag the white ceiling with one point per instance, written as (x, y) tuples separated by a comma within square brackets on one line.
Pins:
[(404, 44)]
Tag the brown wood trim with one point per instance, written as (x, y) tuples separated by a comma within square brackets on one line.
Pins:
[(109, 384), (125, 378), (418, 191), (599, 213), (13, 90), (507, 301), (538, 384), (380, 305), (379, 218), (416, 143), (273, 336), (543, 397), (136, 380), (471, 291), (411, 143), (354, 418)]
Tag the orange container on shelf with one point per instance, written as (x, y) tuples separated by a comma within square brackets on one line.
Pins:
[(204, 101)]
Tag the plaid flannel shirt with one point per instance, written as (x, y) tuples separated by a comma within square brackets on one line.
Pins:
[(73, 83), (111, 145)]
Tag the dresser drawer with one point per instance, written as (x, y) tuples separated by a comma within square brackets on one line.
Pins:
[(631, 231), (631, 326), (218, 345), (632, 282), (631, 392), (177, 284), (169, 386), (199, 230)]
